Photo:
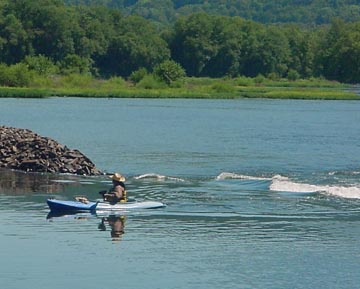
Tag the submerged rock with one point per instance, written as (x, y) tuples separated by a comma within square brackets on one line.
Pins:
[(22, 149)]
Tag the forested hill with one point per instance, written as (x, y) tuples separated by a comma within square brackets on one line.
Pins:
[(309, 12), (50, 37)]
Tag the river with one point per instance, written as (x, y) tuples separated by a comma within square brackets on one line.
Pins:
[(259, 194)]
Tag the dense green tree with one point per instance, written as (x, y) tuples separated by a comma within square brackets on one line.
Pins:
[(266, 51), (94, 30), (136, 44), (274, 51), (161, 11), (228, 37), (308, 12), (301, 45), (39, 34), (14, 43), (193, 45), (48, 24), (339, 56)]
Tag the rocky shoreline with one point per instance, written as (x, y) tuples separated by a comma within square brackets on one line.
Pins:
[(22, 149)]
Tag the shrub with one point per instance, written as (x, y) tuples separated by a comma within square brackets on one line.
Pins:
[(116, 81), (112, 83), (222, 87), (41, 82), (293, 75), (74, 64), (150, 82), (41, 64), (244, 81), (169, 71), (76, 81), (273, 76), (17, 75), (138, 75), (259, 79), (177, 84)]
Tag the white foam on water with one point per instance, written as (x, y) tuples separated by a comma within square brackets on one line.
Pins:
[(283, 184), (226, 176), (158, 177), (86, 183), (344, 192), (351, 173), (63, 181)]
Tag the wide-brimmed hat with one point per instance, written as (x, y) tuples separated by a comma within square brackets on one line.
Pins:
[(118, 177)]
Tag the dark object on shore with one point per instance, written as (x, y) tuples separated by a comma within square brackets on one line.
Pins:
[(22, 149)]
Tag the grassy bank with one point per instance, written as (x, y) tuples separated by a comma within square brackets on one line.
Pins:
[(242, 87)]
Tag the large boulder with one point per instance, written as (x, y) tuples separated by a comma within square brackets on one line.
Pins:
[(22, 149)]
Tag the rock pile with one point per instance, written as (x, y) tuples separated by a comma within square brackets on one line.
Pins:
[(22, 149)]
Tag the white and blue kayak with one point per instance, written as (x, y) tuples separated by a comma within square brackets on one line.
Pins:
[(76, 206)]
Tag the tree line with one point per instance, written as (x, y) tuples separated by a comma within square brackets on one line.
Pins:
[(264, 11), (51, 38)]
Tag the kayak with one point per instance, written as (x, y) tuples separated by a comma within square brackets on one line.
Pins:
[(76, 206), (60, 206)]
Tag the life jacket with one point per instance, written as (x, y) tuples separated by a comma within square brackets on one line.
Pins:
[(124, 195), (123, 199)]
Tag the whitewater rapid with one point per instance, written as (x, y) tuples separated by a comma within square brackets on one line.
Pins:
[(284, 184)]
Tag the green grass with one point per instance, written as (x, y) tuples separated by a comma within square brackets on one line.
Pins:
[(226, 88), (21, 92)]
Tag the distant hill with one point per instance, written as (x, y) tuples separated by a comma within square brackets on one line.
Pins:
[(308, 12)]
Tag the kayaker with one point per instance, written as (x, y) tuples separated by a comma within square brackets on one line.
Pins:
[(118, 192)]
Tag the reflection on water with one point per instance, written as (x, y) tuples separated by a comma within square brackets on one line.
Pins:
[(16, 183), (20, 183), (116, 224)]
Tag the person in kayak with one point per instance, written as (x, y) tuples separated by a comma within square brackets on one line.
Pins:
[(118, 191)]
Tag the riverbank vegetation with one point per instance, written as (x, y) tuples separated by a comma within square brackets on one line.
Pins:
[(48, 48), (151, 86)]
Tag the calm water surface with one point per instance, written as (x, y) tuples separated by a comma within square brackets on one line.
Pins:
[(259, 194)]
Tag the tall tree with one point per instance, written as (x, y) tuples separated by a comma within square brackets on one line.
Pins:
[(48, 25), (136, 44), (228, 36), (193, 45), (14, 45), (301, 45), (340, 53), (94, 29)]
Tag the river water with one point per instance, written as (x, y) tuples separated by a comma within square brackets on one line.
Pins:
[(259, 194)]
